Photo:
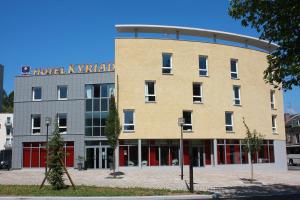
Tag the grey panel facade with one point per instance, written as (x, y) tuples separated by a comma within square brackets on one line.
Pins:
[(49, 106)]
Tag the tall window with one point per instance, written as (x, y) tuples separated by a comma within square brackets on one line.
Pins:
[(166, 63), (96, 108), (150, 91), (36, 124), (272, 98), (236, 95), (128, 120), (62, 122), (203, 66), (62, 92), (234, 68), (274, 128), (229, 121), (36, 93), (197, 92), (187, 126)]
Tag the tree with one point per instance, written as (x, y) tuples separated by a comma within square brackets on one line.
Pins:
[(55, 155), (252, 144), (7, 102), (277, 21), (113, 129)]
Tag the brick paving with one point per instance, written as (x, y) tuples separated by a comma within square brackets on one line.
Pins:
[(208, 179)]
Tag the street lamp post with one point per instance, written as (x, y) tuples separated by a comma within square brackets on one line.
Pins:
[(48, 122), (180, 123)]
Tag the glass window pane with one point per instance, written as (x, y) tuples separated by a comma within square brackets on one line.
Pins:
[(166, 59), (96, 131), (96, 91), (236, 92), (88, 131), (88, 91), (62, 120), (187, 117), (88, 119), (104, 104), (88, 105), (150, 88), (128, 117), (103, 131), (196, 89), (36, 121), (202, 63), (233, 66), (96, 119), (96, 105), (111, 89), (228, 118), (62, 92), (37, 91), (104, 92)]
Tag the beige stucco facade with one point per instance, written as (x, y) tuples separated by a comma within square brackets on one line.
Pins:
[(138, 60)]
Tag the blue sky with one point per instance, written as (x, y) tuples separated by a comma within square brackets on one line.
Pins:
[(42, 33)]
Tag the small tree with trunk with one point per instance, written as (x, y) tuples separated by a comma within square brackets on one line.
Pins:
[(55, 155), (113, 129), (252, 144)]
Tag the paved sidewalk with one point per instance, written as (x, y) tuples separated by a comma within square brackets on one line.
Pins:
[(224, 181)]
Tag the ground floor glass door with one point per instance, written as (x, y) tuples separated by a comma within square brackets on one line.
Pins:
[(198, 156), (98, 157)]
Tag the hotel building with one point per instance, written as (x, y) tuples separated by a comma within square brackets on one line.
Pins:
[(213, 85)]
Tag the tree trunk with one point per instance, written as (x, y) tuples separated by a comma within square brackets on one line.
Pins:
[(251, 170)]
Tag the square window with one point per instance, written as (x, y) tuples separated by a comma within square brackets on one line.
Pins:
[(36, 93)]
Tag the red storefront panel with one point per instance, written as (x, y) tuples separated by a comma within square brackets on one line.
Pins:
[(207, 152), (43, 157), (186, 157), (121, 156), (35, 157), (70, 156), (26, 157), (153, 158)]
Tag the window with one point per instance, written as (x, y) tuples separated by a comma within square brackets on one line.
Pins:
[(36, 124), (272, 97), (187, 126), (62, 92), (229, 121), (295, 123), (274, 130), (234, 68), (36, 93), (150, 91), (203, 66), (197, 92), (128, 120), (236, 95), (167, 63), (62, 122)]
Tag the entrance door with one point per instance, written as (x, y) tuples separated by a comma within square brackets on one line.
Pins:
[(92, 157), (198, 156), (106, 157)]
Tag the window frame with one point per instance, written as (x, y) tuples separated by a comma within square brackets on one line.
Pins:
[(272, 99), (229, 125), (185, 124), (206, 62), (274, 121), (58, 92), (62, 127), (33, 93), (196, 96), (33, 116), (237, 69), (239, 97), (147, 95), (171, 63), (125, 124)]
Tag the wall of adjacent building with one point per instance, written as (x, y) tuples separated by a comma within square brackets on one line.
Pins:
[(3, 133), (138, 60)]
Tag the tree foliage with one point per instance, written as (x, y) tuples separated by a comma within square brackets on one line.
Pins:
[(56, 153), (277, 21), (113, 127), (7, 102)]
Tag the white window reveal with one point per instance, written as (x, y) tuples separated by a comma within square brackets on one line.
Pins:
[(237, 95), (229, 121), (150, 91), (128, 120), (203, 66), (234, 68), (62, 92), (62, 122), (36, 124), (197, 92), (36, 93), (187, 116), (167, 63)]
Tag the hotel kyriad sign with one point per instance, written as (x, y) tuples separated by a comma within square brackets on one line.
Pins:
[(73, 68)]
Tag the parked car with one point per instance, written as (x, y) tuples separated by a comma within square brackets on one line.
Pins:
[(4, 165)]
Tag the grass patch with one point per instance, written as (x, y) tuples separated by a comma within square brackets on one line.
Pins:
[(33, 190)]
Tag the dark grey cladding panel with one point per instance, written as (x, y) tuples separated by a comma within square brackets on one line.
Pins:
[(49, 83)]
